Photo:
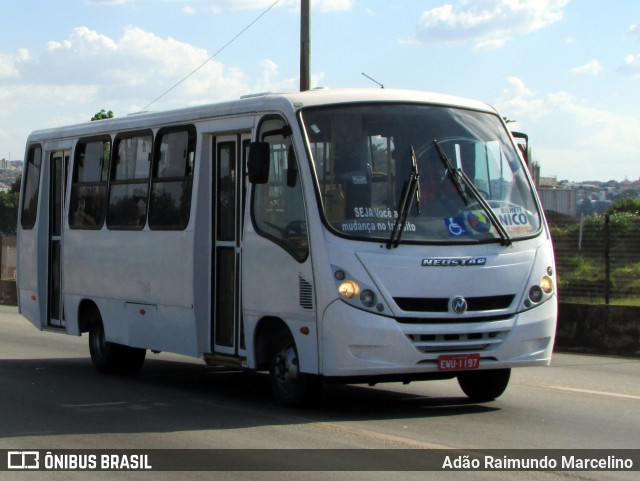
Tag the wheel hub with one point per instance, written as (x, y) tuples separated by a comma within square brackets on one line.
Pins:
[(287, 365)]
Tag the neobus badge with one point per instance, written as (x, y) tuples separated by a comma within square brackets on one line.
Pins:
[(459, 305), (454, 262)]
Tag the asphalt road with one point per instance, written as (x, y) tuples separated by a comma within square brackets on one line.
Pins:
[(51, 398)]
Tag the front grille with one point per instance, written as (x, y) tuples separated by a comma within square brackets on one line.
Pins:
[(441, 304), (423, 304), (457, 342), (452, 320)]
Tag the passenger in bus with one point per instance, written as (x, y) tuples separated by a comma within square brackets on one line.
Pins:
[(85, 214)]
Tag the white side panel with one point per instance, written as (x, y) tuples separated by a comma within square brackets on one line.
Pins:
[(271, 288)]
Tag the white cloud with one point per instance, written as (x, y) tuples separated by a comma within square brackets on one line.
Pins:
[(54, 45), (137, 65), (571, 138), (519, 101), (631, 66), (592, 67), (487, 23), (269, 70), (7, 67), (272, 82), (74, 77), (9, 64), (23, 55), (83, 40)]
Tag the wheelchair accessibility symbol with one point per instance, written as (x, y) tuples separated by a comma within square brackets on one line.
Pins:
[(455, 226)]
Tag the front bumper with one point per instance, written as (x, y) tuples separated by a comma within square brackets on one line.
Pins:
[(360, 344)]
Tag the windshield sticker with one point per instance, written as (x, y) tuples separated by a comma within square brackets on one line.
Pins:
[(455, 226), (375, 213), (514, 218), (373, 219), (479, 222), (359, 180), (371, 227)]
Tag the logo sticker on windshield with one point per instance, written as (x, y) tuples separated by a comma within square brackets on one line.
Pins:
[(514, 218), (455, 226), (478, 221)]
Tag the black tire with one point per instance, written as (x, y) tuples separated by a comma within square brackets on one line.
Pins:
[(289, 386), (112, 358), (483, 386)]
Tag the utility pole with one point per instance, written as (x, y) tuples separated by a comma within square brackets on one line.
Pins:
[(305, 46)]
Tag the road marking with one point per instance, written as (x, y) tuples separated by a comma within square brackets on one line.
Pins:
[(381, 436), (119, 403), (601, 393), (365, 433)]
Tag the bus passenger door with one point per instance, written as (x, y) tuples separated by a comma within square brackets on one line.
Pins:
[(228, 183), (58, 162)]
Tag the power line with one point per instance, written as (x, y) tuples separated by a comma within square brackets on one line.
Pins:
[(213, 56)]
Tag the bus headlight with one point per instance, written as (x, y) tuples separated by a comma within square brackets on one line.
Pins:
[(358, 294), (368, 298), (546, 284), (349, 289), (535, 294)]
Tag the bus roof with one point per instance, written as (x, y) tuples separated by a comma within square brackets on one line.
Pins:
[(250, 104)]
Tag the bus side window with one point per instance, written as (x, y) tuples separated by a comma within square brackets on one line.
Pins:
[(172, 178), (129, 182), (89, 183), (278, 205), (31, 188)]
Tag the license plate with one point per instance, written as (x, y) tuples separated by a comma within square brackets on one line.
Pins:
[(458, 362)]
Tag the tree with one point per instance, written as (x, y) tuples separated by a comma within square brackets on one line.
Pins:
[(585, 207), (9, 208), (103, 114), (628, 205)]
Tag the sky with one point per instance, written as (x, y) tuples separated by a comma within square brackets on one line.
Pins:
[(567, 72)]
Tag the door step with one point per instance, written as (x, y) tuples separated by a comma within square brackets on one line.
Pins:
[(214, 359)]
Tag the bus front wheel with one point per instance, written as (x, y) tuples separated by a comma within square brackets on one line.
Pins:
[(109, 357), (289, 386), (483, 386)]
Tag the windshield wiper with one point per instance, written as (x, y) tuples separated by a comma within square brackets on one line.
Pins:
[(456, 178), (464, 184), (409, 192)]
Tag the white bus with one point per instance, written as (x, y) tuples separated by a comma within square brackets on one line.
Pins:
[(328, 235)]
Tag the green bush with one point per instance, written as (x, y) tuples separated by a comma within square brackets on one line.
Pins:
[(581, 257)]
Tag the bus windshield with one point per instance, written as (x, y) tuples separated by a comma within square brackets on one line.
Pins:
[(466, 181)]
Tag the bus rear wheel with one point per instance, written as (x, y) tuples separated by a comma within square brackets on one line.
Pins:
[(483, 386), (289, 386), (109, 357)]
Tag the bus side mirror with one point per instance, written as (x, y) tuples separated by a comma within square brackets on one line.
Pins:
[(258, 165), (522, 141)]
